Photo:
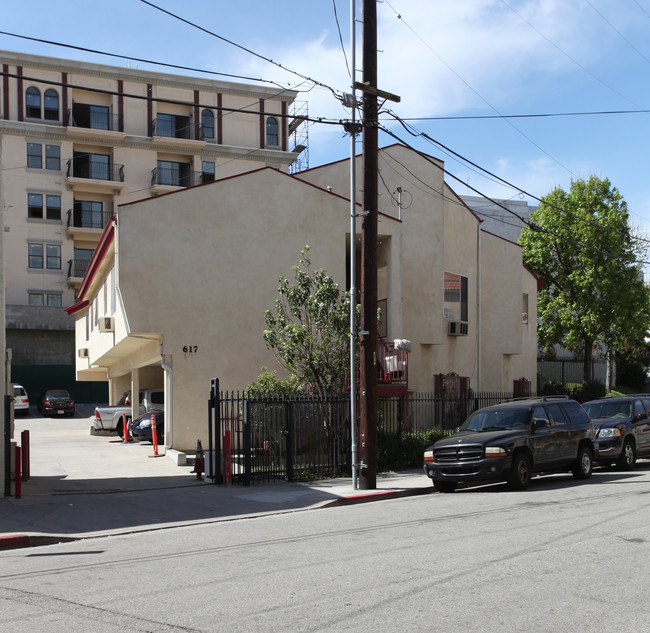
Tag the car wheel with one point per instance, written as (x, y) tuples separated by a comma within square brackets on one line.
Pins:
[(120, 429), (627, 458), (519, 477), (583, 464), (445, 486)]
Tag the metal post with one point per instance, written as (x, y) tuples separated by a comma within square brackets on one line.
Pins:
[(353, 254), (7, 451), (368, 338)]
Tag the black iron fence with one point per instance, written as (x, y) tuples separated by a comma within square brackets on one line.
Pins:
[(252, 440)]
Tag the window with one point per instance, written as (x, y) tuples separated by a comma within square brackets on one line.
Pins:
[(96, 166), (272, 131), (557, 414), (51, 105), (173, 126), (524, 308), (35, 252), (207, 124), (33, 103), (173, 174), (88, 214), (48, 254), (50, 299), (53, 256), (207, 171), (95, 117), (53, 157), (35, 206), (34, 155), (639, 410), (455, 297), (53, 207)]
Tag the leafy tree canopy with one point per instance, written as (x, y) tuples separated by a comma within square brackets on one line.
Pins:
[(309, 329), (580, 244)]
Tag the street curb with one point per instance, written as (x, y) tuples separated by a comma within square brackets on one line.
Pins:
[(380, 495), (16, 541)]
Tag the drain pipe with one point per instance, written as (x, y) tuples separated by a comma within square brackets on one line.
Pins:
[(167, 368)]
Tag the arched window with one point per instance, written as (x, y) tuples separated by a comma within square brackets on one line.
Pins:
[(207, 124), (33, 103), (272, 132), (51, 105)]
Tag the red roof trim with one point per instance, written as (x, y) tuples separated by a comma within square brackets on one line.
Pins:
[(105, 242), (76, 307)]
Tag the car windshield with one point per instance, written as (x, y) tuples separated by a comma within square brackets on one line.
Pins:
[(620, 409), (497, 420), (57, 393)]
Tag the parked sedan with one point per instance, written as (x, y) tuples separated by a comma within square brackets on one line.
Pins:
[(141, 429), (55, 402), (623, 425), (21, 400)]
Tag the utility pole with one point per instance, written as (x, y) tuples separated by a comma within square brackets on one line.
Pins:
[(368, 295), (368, 334)]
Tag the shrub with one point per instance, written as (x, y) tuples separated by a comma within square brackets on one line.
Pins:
[(589, 391), (403, 451)]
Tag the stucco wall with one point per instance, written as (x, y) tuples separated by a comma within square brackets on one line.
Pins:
[(208, 271)]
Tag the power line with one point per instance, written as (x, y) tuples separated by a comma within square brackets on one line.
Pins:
[(514, 127), (531, 225), (338, 26), (577, 63), (634, 48), (137, 59), (240, 46), (227, 110), (476, 117), (502, 180)]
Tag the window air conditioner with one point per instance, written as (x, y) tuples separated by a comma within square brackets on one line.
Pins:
[(106, 324), (83, 352), (457, 328)]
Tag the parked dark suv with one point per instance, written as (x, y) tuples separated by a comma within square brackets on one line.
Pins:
[(623, 429), (513, 440)]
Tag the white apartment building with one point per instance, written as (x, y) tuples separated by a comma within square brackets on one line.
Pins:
[(78, 139)]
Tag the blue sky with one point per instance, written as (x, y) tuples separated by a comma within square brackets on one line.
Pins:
[(445, 58)]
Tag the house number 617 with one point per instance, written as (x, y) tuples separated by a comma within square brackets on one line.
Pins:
[(190, 349)]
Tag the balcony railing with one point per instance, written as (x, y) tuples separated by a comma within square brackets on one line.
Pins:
[(81, 219), (96, 121), (163, 176), (95, 171), (77, 268)]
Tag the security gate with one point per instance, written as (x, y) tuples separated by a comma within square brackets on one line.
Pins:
[(252, 440)]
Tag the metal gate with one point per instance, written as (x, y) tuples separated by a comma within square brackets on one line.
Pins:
[(252, 440)]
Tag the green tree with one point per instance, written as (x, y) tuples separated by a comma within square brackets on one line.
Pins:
[(309, 329), (580, 244)]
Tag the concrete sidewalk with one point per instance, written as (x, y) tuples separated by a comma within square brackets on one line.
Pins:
[(84, 486)]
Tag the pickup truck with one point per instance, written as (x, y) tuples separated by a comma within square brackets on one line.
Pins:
[(110, 418)]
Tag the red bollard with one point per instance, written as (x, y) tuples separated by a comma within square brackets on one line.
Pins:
[(125, 429), (154, 435), (24, 441), (18, 488)]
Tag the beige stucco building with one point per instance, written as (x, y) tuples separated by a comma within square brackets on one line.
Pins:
[(78, 139), (187, 303)]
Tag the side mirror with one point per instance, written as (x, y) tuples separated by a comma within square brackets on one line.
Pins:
[(539, 424)]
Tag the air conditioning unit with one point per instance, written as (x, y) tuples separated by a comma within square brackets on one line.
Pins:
[(457, 328), (106, 324), (83, 352)]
